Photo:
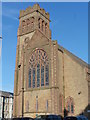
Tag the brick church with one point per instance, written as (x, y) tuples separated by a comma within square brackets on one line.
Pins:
[(48, 78)]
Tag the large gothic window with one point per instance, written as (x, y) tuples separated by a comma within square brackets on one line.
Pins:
[(38, 69)]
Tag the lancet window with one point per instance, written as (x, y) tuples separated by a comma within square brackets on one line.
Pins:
[(70, 105)]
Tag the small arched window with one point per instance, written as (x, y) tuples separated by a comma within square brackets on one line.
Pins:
[(45, 28), (38, 69), (39, 23), (42, 25), (32, 21), (70, 105), (23, 23), (72, 110), (28, 21)]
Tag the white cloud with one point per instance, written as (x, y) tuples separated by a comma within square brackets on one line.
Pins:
[(10, 13), (9, 16)]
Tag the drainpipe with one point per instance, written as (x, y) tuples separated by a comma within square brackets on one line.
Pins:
[(63, 85), (23, 83)]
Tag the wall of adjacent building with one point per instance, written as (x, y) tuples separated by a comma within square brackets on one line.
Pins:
[(6, 107), (1, 105), (10, 107)]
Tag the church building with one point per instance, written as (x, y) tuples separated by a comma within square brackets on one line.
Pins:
[(48, 78)]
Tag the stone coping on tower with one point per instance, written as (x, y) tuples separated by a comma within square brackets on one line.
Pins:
[(35, 7)]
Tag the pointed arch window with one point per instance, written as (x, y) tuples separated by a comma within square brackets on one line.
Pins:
[(38, 75), (33, 77), (68, 108), (47, 75), (45, 28), (70, 105), (42, 75), (38, 69), (72, 110), (39, 23), (42, 25), (29, 77)]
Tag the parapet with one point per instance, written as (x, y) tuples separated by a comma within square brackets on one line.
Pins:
[(36, 8)]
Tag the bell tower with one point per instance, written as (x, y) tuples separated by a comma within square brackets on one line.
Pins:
[(34, 18), (30, 20)]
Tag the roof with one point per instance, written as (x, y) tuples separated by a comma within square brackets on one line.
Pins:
[(77, 59), (6, 94)]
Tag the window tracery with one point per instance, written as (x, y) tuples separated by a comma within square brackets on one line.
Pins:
[(38, 69)]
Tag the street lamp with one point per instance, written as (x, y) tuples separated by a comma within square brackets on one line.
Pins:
[(0, 37)]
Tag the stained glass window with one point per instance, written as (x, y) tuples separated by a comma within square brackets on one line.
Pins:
[(38, 69), (42, 75), (68, 108), (33, 77), (38, 75), (70, 105), (47, 75), (30, 78)]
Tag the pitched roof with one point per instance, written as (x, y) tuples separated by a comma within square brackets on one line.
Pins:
[(6, 94), (77, 59)]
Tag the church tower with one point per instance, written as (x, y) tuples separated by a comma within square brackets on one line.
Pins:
[(35, 86), (32, 19)]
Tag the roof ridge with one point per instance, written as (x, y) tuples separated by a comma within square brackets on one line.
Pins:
[(76, 58)]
